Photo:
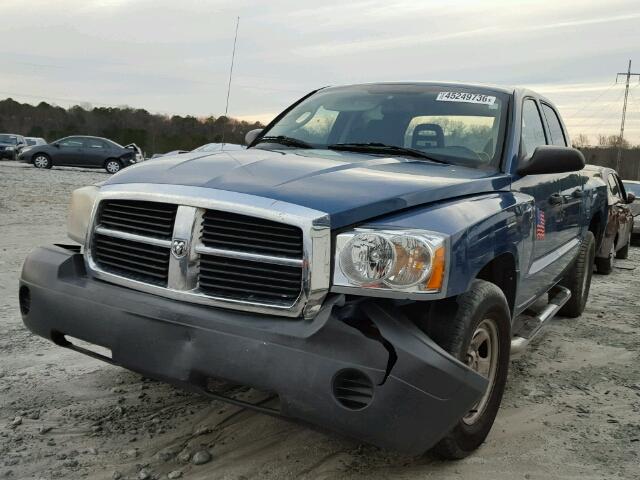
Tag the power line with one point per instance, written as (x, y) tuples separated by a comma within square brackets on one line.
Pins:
[(588, 103), (628, 76)]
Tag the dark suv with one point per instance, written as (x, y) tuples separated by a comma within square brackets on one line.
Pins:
[(11, 145), (92, 152)]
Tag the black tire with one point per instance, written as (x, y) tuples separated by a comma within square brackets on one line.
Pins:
[(112, 165), (578, 278), (452, 325), (41, 160), (623, 253), (604, 266)]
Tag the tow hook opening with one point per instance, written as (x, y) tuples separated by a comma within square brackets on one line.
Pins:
[(82, 346)]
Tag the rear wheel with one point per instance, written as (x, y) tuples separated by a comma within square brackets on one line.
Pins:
[(604, 266), (42, 161), (112, 166), (578, 278), (477, 331), (623, 253)]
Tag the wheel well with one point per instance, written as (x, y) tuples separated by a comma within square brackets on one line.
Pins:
[(112, 158), (501, 271), (597, 228)]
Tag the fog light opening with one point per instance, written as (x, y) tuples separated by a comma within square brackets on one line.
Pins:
[(24, 297), (353, 389)]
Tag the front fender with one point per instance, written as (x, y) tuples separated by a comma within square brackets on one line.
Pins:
[(480, 228)]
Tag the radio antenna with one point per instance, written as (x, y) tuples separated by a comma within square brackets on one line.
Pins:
[(233, 57)]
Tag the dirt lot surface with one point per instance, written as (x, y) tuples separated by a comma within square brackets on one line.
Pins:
[(572, 407)]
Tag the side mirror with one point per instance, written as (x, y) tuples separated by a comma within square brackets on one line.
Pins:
[(57, 145), (553, 159), (251, 135), (631, 197)]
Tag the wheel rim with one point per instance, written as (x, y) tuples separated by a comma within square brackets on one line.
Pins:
[(41, 162), (482, 358), (113, 167)]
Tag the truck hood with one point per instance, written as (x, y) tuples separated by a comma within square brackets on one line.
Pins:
[(350, 187)]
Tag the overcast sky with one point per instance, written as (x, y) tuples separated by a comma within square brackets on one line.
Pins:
[(173, 56)]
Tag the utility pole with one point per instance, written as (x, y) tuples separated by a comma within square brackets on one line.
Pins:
[(233, 57), (628, 76)]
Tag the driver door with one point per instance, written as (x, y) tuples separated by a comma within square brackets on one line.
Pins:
[(69, 152), (546, 218)]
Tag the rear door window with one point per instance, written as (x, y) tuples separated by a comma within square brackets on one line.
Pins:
[(533, 134), (555, 127), (94, 144)]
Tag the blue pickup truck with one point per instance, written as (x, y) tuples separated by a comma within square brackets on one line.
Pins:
[(369, 263)]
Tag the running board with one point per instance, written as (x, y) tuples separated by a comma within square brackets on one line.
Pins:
[(562, 296)]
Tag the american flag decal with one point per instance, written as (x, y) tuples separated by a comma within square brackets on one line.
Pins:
[(540, 225)]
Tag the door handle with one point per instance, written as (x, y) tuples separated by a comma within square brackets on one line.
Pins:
[(555, 199), (577, 193)]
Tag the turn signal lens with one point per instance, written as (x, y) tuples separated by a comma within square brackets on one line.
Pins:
[(80, 209), (413, 261)]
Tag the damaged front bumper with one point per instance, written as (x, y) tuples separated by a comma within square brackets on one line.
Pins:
[(360, 370)]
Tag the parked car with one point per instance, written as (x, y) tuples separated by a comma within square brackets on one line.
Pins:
[(11, 145), (82, 151), (35, 141), (168, 154), (217, 147), (367, 260), (632, 186), (619, 225)]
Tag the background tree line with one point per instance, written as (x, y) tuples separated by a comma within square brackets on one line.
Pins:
[(153, 133)]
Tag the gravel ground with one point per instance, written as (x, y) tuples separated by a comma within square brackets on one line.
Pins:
[(571, 410)]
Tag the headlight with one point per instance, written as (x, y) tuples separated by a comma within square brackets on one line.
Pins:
[(82, 201), (407, 260), (9, 149)]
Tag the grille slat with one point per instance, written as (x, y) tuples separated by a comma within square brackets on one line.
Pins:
[(152, 219), (210, 280), (249, 280), (132, 259), (242, 233), (228, 265)]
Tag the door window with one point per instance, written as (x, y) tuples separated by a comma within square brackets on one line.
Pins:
[(94, 144), (614, 189), (72, 142), (532, 130), (555, 128)]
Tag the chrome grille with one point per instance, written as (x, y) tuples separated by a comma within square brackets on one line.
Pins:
[(249, 280), (229, 251), (151, 219), (232, 231), (136, 260)]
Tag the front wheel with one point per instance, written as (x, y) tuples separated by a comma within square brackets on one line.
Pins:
[(476, 329), (112, 166), (42, 161)]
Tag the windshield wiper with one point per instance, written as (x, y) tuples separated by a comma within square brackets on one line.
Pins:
[(288, 141), (383, 148)]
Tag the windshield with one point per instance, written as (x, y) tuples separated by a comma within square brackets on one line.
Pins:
[(452, 124), (10, 139), (633, 188)]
